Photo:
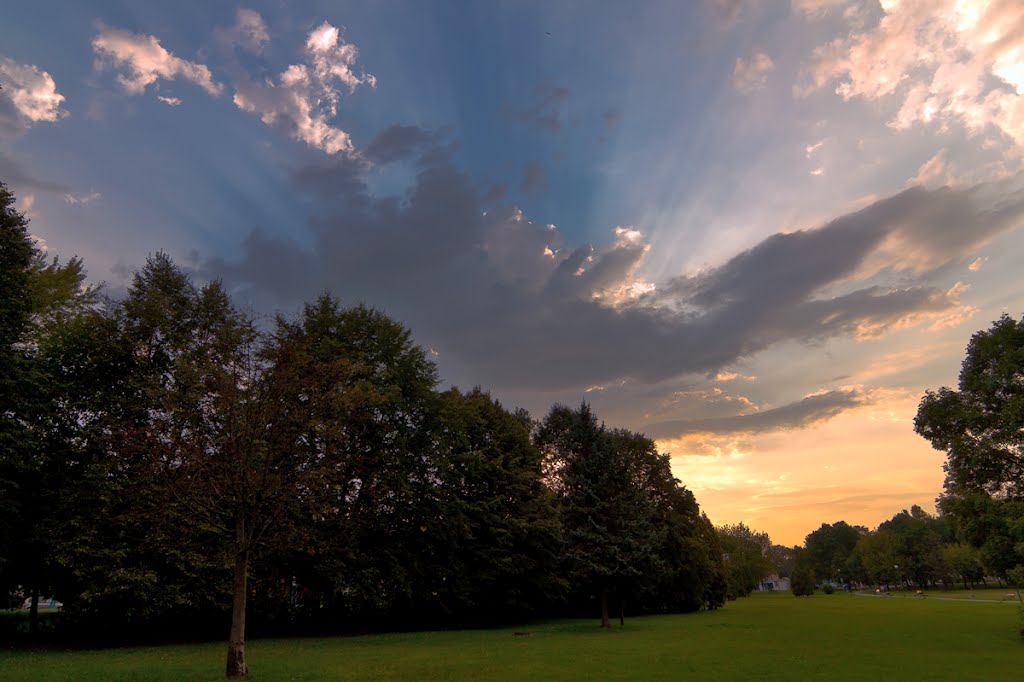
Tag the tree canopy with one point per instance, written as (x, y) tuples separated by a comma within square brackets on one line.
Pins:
[(980, 426), (171, 465)]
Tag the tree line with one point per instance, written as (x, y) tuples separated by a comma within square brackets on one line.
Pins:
[(979, 531), (171, 464), (970, 542)]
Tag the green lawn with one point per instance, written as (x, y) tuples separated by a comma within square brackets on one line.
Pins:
[(764, 637), (984, 593)]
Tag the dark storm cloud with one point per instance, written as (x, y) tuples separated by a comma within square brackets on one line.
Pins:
[(509, 306), (812, 409)]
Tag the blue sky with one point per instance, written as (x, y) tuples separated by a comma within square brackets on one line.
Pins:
[(755, 230)]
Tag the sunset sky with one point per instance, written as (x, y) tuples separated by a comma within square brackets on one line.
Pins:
[(756, 231)]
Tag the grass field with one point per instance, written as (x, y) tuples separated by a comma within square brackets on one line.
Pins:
[(977, 593), (764, 637)]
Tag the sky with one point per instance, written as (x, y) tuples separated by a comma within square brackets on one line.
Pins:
[(756, 231)]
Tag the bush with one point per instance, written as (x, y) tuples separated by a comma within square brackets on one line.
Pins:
[(828, 589), (803, 582)]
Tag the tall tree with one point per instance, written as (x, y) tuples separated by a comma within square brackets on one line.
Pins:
[(228, 441), (378, 545), (41, 424), (16, 255), (981, 425), (608, 520), (503, 533)]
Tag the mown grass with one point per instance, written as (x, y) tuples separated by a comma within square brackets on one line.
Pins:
[(991, 593), (764, 637)]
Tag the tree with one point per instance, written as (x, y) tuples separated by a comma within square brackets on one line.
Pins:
[(42, 425), (747, 558), (606, 516), (995, 527), (16, 255), (919, 537), (981, 429), (783, 558), (229, 444), (802, 582), (829, 547), (981, 425), (879, 554), (379, 547), (964, 562), (503, 535)]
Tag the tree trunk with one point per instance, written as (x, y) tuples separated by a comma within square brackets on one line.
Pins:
[(33, 611), (622, 612), (236, 640), (604, 608)]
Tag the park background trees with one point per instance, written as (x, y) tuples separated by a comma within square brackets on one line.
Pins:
[(174, 466)]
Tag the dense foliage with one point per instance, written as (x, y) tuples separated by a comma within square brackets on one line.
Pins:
[(168, 466), (748, 558), (980, 426)]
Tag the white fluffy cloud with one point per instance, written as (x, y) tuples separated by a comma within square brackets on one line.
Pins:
[(143, 61), (940, 61), (305, 96), (30, 93), (751, 72)]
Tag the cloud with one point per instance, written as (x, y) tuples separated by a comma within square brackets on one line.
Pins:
[(249, 31), (534, 178), (82, 199), (751, 72), (143, 61), (809, 410), (934, 169), (816, 8), (938, 61), (727, 11), (28, 96), (305, 96), (398, 142), (169, 101), (13, 172), (732, 376), (977, 264), (544, 110), (509, 304)]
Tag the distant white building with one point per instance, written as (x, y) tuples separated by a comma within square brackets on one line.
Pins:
[(44, 603), (773, 583)]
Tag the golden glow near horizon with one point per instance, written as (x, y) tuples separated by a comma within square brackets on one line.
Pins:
[(862, 467)]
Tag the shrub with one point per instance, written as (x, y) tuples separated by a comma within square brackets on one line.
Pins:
[(803, 581)]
